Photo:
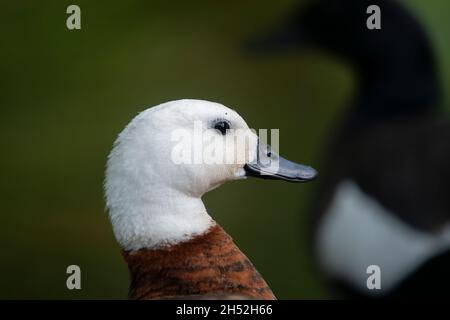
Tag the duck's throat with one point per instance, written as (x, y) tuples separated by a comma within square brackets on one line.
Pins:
[(158, 221), (207, 264)]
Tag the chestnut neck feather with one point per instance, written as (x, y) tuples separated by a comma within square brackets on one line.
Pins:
[(209, 263)]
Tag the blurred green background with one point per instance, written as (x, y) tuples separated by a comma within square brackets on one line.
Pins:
[(65, 95)]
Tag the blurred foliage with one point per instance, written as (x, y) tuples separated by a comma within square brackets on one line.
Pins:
[(67, 94)]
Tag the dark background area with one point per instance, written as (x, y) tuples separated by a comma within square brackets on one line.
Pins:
[(65, 95)]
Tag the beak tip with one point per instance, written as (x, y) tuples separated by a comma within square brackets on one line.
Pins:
[(307, 174), (313, 174)]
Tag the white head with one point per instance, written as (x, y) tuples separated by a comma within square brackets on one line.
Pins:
[(154, 201)]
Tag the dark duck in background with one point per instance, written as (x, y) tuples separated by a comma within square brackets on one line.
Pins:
[(384, 198)]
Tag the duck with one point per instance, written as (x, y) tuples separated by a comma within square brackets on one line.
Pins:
[(383, 199), (173, 248)]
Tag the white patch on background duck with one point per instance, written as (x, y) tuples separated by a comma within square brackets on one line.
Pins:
[(357, 232)]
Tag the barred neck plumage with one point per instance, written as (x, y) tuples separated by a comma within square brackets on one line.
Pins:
[(207, 264)]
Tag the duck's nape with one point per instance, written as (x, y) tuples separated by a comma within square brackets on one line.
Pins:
[(395, 69)]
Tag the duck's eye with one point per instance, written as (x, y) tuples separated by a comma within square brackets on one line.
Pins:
[(222, 126)]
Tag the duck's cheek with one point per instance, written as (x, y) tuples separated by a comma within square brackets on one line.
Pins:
[(215, 176), (241, 156), (227, 172)]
